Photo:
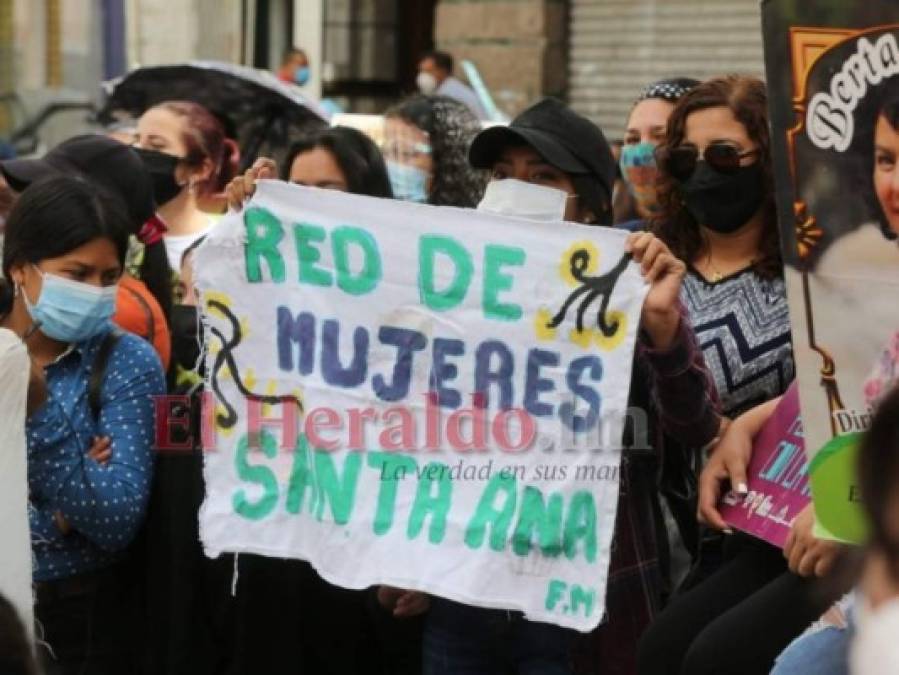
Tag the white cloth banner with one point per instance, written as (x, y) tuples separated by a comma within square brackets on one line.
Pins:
[(337, 314), (15, 561)]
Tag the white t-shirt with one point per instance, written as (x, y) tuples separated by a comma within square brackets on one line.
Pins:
[(177, 244), (875, 650)]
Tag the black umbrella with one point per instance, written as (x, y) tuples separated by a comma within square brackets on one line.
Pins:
[(258, 110)]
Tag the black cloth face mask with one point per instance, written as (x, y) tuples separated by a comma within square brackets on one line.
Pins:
[(186, 337), (724, 202), (161, 167)]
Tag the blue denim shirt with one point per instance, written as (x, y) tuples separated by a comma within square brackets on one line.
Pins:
[(104, 505)]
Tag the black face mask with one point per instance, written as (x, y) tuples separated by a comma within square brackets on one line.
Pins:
[(186, 337), (724, 202), (161, 167)]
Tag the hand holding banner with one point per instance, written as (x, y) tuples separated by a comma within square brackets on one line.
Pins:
[(450, 387)]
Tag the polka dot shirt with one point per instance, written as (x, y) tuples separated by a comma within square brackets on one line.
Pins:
[(103, 504)]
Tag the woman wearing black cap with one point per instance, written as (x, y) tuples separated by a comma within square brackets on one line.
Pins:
[(553, 164), (550, 145)]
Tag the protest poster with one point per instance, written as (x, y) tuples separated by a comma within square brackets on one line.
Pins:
[(460, 384), (834, 98), (777, 477), (15, 563)]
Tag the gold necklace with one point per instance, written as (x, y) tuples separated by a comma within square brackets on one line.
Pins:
[(716, 273)]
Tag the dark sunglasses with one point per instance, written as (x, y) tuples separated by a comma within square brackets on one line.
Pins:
[(680, 162)]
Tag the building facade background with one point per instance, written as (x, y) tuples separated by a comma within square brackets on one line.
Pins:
[(619, 46), (596, 54), (519, 46)]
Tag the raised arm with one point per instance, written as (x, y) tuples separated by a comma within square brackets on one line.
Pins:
[(682, 387)]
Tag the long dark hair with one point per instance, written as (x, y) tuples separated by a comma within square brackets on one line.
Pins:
[(355, 153), (56, 215), (451, 127), (878, 474), (16, 657), (137, 192), (747, 98), (156, 273), (591, 196)]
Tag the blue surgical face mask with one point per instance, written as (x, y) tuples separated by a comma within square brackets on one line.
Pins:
[(71, 311), (301, 75), (409, 183)]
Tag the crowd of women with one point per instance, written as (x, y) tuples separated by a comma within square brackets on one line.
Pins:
[(97, 268)]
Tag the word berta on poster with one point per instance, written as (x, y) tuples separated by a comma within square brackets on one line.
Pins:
[(830, 121), (473, 360)]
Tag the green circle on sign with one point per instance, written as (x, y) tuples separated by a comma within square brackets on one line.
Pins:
[(833, 477)]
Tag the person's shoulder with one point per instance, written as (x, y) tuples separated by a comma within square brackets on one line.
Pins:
[(452, 84), (455, 88), (134, 353), (865, 235), (865, 251)]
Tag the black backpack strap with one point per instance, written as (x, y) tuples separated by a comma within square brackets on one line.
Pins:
[(98, 370)]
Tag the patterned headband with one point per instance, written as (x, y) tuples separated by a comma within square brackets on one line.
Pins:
[(669, 90)]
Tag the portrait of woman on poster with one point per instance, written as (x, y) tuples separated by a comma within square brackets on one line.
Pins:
[(856, 279), (875, 244)]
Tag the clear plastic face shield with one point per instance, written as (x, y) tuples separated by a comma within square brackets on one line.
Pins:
[(408, 153)]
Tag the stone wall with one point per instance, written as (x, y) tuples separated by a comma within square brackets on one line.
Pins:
[(163, 31), (519, 46)]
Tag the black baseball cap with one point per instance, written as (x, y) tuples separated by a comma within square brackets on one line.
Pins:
[(563, 138), (105, 161)]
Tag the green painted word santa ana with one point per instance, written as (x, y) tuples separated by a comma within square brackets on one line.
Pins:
[(505, 514)]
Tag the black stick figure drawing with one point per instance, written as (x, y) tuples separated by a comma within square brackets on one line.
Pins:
[(228, 419), (591, 288)]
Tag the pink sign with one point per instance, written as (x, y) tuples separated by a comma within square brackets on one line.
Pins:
[(778, 477)]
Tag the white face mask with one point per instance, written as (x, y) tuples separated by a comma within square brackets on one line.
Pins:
[(512, 197), (427, 83), (875, 650)]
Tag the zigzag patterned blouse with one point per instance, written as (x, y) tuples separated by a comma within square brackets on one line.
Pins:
[(743, 326)]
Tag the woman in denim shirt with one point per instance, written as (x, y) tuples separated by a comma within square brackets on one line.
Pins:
[(89, 457)]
